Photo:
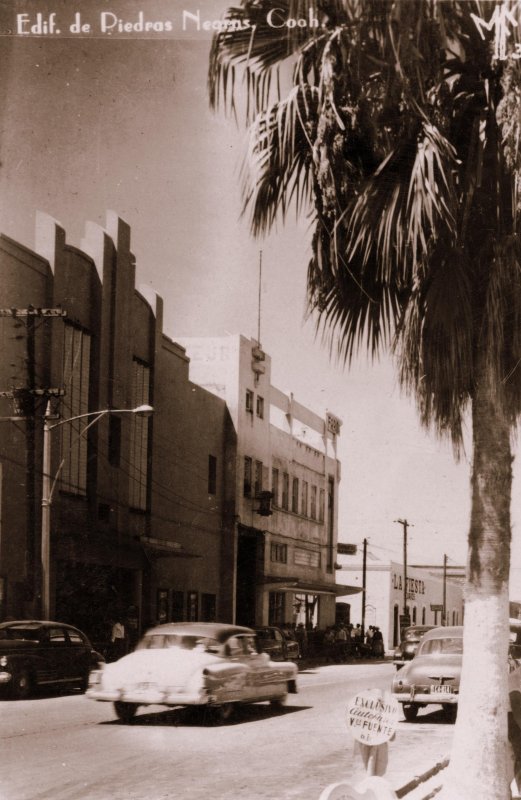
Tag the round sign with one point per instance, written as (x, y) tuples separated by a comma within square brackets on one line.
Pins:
[(372, 716)]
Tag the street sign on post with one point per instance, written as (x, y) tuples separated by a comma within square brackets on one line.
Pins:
[(372, 716)]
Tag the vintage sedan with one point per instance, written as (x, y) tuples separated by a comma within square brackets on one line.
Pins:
[(35, 653), (277, 643), (433, 675), (408, 646), (193, 664)]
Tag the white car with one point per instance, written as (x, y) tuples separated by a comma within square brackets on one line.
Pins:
[(193, 664)]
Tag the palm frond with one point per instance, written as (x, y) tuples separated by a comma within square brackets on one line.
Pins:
[(276, 169)]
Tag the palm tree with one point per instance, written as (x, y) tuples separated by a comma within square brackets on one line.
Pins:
[(396, 124)]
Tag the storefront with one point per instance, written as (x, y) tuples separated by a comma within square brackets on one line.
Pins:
[(394, 599)]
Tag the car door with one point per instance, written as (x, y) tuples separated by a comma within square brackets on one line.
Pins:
[(259, 672), (79, 655), (55, 651)]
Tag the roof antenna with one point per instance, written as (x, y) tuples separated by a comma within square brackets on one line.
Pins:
[(259, 306)]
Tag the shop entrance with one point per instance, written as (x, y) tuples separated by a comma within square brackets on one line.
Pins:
[(246, 577)]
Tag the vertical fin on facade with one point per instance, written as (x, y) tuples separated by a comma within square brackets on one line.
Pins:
[(49, 238)]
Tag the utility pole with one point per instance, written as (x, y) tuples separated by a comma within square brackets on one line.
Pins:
[(444, 611), (25, 408), (405, 525), (364, 573)]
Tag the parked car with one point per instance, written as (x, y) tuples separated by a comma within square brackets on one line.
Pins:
[(433, 675), (35, 653), (408, 646), (197, 664), (277, 643)]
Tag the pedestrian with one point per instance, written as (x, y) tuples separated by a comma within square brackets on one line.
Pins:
[(302, 638), (118, 639), (341, 640), (378, 643)]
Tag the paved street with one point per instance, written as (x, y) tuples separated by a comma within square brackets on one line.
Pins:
[(67, 747)]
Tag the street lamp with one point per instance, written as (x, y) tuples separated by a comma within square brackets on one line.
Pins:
[(48, 487)]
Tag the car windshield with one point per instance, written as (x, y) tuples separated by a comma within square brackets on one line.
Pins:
[(29, 633), (446, 646), (167, 641)]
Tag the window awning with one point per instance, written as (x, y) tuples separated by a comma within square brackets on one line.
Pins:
[(278, 584), (165, 548)]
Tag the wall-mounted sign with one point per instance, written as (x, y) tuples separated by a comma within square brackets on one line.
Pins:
[(306, 558)]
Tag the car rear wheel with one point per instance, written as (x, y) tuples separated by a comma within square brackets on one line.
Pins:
[(125, 711), (410, 712), (22, 685), (279, 702), (224, 712)]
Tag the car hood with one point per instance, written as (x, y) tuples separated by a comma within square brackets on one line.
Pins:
[(170, 667), (424, 668)]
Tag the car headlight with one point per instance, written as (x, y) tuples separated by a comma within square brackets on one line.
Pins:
[(3, 661)]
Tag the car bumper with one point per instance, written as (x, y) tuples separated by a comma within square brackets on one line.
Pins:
[(148, 697), (425, 698)]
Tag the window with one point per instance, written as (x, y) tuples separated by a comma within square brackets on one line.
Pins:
[(294, 495), (114, 441), (423, 615), (249, 401), (321, 505), (248, 468), (258, 478), (285, 490), (313, 511), (177, 606), (330, 522), (279, 553), (212, 475), (304, 499), (414, 615), (260, 407), (275, 485), (139, 437), (192, 606), (208, 608), (76, 377)]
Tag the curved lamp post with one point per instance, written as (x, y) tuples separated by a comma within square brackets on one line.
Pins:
[(48, 487)]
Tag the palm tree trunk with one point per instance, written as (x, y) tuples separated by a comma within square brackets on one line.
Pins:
[(480, 764)]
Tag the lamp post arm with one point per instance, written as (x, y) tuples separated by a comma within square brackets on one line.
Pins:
[(96, 414), (76, 440)]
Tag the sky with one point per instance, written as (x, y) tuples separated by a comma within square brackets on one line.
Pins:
[(97, 122)]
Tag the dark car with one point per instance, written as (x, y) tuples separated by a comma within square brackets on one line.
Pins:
[(408, 646), (35, 653), (277, 643)]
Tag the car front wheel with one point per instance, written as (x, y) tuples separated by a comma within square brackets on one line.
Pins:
[(125, 711), (410, 712), (21, 686), (450, 711)]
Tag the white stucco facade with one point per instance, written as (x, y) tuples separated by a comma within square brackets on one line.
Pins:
[(289, 452), (385, 599)]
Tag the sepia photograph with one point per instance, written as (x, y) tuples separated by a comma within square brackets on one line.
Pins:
[(260, 388)]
